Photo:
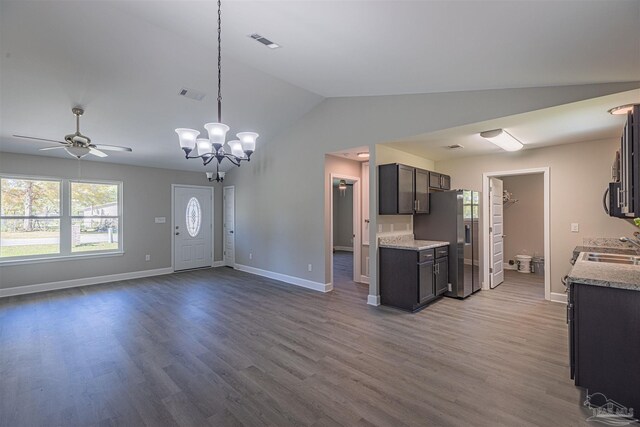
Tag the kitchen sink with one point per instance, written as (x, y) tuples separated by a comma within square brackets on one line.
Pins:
[(612, 258)]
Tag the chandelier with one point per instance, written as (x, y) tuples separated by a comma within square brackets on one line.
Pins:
[(215, 147)]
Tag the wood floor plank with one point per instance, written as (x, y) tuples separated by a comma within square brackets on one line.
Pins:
[(221, 347)]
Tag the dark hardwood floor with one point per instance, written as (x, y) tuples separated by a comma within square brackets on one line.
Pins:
[(220, 347)]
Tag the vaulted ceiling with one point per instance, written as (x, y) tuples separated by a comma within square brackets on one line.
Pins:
[(125, 61)]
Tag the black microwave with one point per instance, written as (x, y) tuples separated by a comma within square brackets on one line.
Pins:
[(623, 196)]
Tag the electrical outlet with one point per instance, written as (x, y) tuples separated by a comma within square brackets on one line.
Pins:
[(575, 227), (147, 257), (250, 255), (310, 267)]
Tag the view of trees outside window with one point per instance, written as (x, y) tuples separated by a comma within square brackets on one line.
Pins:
[(30, 217), (94, 209)]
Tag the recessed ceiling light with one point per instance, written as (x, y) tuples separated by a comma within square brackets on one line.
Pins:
[(622, 109), (268, 43), (502, 139), (364, 155)]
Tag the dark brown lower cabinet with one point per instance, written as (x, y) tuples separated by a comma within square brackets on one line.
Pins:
[(441, 275), (411, 279), (604, 341)]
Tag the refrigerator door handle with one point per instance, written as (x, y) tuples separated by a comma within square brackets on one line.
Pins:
[(467, 234)]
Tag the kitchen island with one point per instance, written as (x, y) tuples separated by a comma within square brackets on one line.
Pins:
[(603, 314)]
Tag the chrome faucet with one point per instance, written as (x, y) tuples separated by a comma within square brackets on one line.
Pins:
[(635, 242)]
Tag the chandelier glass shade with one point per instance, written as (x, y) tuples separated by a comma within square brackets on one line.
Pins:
[(216, 145)]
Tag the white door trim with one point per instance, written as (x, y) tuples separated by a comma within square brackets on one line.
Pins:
[(224, 235), (357, 240), (547, 215), (494, 275), (173, 221)]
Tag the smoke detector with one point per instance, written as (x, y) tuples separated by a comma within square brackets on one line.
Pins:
[(265, 41)]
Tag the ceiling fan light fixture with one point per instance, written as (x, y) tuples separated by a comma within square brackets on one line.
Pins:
[(77, 152), (622, 109), (502, 139)]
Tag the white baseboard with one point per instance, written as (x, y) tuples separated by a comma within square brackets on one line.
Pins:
[(373, 300), (364, 279), (506, 266), (64, 284), (343, 248), (316, 286), (218, 264), (559, 297)]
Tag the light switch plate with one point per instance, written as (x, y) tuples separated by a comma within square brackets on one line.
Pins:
[(161, 220), (575, 227)]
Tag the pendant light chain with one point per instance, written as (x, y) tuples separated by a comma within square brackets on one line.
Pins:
[(219, 63)]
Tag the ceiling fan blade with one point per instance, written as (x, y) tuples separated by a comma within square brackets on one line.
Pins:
[(111, 147), (50, 148), (39, 139), (96, 152)]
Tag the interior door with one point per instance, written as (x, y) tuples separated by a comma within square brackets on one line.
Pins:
[(229, 222), (192, 223), (496, 227)]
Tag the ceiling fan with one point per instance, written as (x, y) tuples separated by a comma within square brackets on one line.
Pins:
[(77, 144)]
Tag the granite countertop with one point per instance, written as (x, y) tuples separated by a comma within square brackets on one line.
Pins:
[(407, 242), (605, 274)]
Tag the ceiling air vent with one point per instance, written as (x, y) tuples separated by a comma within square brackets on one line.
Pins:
[(192, 94), (268, 43), (454, 147)]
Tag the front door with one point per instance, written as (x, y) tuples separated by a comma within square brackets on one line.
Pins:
[(193, 219), (229, 222), (496, 224)]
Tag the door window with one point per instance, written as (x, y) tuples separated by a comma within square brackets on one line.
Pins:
[(193, 217)]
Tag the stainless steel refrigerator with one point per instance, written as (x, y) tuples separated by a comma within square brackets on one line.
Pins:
[(454, 217)]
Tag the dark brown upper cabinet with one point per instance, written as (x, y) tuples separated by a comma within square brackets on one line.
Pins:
[(402, 190), (434, 180), (445, 182), (422, 191), (438, 181)]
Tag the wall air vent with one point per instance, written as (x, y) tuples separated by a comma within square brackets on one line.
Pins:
[(268, 43), (454, 147), (192, 94)]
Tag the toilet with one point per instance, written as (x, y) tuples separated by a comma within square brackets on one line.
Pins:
[(524, 263)]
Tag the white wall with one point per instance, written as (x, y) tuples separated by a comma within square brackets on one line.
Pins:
[(146, 194), (280, 213), (579, 175), (524, 220)]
